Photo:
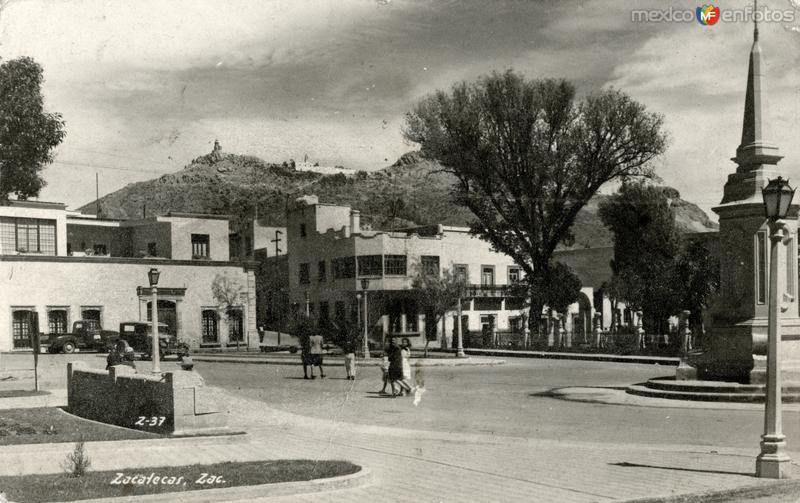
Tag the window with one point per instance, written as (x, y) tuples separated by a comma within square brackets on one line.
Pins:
[(100, 250), (344, 267), (514, 275), (57, 321), (28, 235), (395, 265), (209, 326), (487, 275), (23, 323), (303, 230), (321, 271), (304, 274), (430, 265), (92, 313), (370, 265), (488, 303), (152, 249), (200, 247), (324, 312), (235, 325), (461, 272), (761, 252)]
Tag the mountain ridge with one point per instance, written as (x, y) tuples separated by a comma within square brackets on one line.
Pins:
[(412, 191)]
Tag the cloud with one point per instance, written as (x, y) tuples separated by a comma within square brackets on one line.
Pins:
[(148, 85)]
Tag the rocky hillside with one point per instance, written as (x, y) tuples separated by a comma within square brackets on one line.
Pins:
[(411, 191)]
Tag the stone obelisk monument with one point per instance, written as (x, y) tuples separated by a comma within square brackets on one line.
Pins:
[(739, 316)]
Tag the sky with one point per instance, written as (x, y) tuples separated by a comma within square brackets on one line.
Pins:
[(146, 86)]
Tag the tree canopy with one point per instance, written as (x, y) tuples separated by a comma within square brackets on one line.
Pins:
[(656, 268), (528, 156), (27, 133)]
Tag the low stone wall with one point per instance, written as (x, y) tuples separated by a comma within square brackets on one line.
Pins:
[(172, 402)]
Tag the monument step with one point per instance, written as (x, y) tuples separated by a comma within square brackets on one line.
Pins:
[(709, 396), (671, 384)]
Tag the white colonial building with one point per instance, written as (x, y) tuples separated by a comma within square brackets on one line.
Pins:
[(60, 266)]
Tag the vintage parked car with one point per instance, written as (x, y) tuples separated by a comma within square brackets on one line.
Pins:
[(138, 334), (86, 334)]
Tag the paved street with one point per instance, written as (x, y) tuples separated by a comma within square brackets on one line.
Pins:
[(500, 400)]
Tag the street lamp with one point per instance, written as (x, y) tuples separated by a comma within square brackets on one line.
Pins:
[(460, 343), (153, 275), (773, 460), (365, 287)]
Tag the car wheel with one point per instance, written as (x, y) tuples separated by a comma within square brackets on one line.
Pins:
[(293, 350), (68, 347)]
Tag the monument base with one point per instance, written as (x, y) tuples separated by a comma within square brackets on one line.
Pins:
[(738, 351)]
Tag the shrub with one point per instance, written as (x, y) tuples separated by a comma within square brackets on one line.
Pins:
[(77, 462)]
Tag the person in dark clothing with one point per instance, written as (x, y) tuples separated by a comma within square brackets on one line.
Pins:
[(395, 373), (305, 354)]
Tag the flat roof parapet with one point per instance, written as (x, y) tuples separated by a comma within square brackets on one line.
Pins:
[(33, 204)]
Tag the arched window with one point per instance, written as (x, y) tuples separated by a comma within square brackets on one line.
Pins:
[(210, 324)]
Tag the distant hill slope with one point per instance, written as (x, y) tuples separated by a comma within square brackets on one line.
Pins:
[(410, 192)]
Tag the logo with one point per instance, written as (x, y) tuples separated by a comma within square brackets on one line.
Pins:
[(707, 15)]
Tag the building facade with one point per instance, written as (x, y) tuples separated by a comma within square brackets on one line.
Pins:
[(59, 266), (332, 259)]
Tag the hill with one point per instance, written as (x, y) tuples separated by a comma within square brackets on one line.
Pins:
[(412, 191)]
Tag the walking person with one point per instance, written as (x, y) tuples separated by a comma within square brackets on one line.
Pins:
[(350, 359), (315, 343), (405, 352), (305, 354), (385, 372), (395, 355)]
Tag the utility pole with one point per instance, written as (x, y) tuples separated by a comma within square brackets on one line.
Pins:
[(97, 194)]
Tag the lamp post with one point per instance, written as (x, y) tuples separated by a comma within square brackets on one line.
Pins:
[(460, 342), (153, 275), (365, 287), (773, 460)]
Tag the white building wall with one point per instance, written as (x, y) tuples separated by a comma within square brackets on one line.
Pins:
[(112, 284)]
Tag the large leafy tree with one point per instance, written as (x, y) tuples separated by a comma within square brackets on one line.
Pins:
[(656, 268), (528, 156), (557, 289), (28, 134)]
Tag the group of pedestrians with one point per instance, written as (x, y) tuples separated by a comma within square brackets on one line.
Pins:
[(397, 367)]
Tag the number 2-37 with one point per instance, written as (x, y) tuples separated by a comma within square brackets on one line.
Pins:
[(150, 421)]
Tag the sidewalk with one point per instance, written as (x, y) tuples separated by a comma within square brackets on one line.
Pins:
[(411, 465)]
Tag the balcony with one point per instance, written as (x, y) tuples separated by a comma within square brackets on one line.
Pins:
[(495, 291)]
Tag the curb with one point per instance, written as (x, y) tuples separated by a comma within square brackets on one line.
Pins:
[(652, 360), (739, 493), (360, 478)]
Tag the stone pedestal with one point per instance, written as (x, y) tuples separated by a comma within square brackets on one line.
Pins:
[(773, 463)]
